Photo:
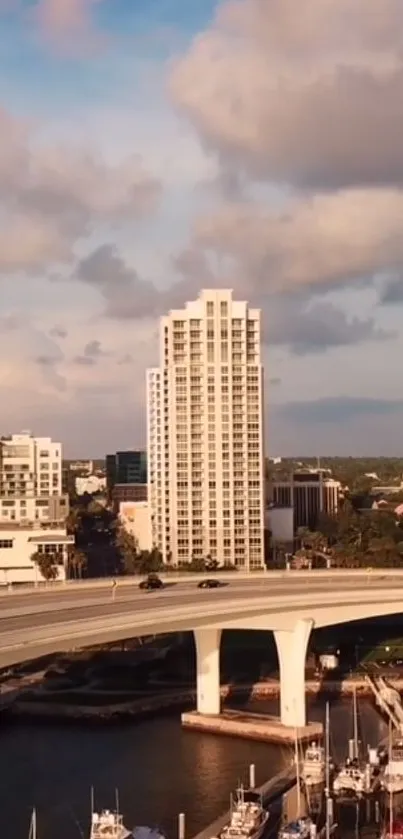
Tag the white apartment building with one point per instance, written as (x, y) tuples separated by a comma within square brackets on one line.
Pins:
[(205, 434), (31, 480)]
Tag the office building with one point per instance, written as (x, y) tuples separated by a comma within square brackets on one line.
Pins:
[(309, 493), (31, 480), (126, 477), (205, 434)]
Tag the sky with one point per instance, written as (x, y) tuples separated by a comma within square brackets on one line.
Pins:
[(151, 148)]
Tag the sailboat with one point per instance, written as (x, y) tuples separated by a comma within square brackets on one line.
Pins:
[(302, 827), (394, 828), (392, 780), (352, 776)]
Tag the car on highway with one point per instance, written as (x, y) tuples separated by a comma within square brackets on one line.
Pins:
[(151, 583), (210, 584)]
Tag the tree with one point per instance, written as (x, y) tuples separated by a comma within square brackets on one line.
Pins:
[(76, 563), (127, 547), (150, 561), (47, 564)]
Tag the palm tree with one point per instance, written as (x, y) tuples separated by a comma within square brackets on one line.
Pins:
[(76, 563)]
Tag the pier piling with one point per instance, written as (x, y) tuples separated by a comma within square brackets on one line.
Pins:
[(181, 826)]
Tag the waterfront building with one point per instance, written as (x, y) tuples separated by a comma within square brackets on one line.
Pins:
[(206, 435), (31, 480)]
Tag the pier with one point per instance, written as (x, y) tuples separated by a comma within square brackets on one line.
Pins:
[(270, 791), (251, 726)]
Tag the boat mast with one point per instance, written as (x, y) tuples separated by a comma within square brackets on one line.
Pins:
[(297, 775), (355, 722), (327, 767), (390, 790)]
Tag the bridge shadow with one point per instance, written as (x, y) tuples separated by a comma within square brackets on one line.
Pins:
[(247, 658)]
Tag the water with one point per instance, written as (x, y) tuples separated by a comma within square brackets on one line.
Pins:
[(158, 769)]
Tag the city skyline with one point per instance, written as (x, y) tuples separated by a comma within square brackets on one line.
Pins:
[(148, 151)]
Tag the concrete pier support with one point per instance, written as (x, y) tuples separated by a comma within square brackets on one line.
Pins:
[(207, 642), (291, 648)]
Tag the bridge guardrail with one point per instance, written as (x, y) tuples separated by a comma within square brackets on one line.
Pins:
[(190, 576)]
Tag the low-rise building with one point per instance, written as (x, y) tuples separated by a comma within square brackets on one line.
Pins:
[(19, 543), (90, 484), (135, 517)]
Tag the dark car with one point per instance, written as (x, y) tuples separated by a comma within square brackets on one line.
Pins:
[(152, 583), (209, 584)]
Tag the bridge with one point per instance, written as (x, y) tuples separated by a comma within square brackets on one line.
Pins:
[(39, 621)]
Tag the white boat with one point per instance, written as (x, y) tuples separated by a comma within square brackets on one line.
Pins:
[(108, 825), (299, 829), (392, 780), (313, 768), (248, 817), (350, 778)]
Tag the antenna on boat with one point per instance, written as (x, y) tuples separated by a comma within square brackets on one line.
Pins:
[(117, 800), (92, 801)]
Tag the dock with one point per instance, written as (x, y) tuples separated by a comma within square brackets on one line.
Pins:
[(270, 791), (250, 726)]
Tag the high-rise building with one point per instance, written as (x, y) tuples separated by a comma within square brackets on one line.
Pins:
[(126, 476), (205, 434), (31, 480)]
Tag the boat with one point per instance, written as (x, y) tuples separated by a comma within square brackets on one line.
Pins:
[(352, 777), (393, 828), (107, 824), (392, 779), (303, 826), (248, 817), (313, 766)]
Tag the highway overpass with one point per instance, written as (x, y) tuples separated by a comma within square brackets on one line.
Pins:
[(37, 622)]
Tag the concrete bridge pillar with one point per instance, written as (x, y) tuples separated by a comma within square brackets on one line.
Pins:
[(207, 642), (291, 648)]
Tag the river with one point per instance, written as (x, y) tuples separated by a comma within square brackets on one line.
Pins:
[(158, 769)]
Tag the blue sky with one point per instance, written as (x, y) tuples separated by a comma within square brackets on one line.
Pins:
[(201, 143)]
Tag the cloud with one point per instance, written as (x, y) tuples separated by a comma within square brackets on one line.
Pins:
[(338, 409), (327, 240), (312, 102), (58, 332), (91, 354), (61, 18), (53, 196), (127, 296), (288, 320), (392, 292), (317, 327)]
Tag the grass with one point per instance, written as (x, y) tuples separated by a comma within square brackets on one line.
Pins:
[(389, 650)]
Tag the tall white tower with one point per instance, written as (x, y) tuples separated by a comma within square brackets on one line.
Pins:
[(206, 435)]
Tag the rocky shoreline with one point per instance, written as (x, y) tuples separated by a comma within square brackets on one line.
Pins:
[(166, 698)]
